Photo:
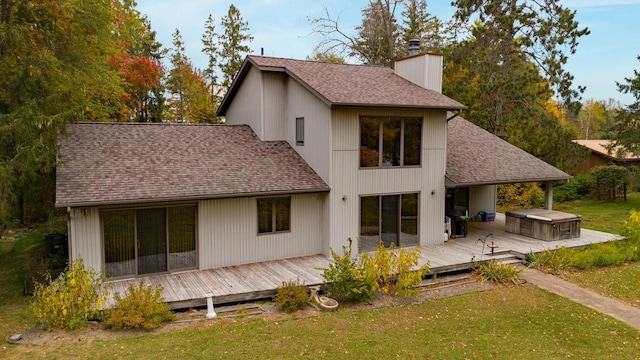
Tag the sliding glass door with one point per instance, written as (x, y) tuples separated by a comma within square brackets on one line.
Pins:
[(388, 219), (147, 241)]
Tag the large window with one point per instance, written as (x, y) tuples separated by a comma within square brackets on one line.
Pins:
[(390, 219), (390, 141), (274, 215), (145, 241)]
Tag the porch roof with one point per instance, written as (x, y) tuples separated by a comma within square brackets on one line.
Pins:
[(119, 163), (477, 157)]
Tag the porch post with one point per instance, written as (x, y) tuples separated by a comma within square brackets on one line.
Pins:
[(548, 195)]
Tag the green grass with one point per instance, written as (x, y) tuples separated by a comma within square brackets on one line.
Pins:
[(16, 248), (606, 216), (519, 322), (620, 282)]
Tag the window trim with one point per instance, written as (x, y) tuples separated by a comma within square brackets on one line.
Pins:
[(381, 120), (274, 214), (300, 131)]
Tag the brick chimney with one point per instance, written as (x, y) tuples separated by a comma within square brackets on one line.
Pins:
[(422, 69)]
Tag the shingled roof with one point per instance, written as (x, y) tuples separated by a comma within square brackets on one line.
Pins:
[(341, 85), (115, 163), (476, 157)]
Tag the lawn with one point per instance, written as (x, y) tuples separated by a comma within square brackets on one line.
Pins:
[(519, 322), (620, 282), (605, 216)]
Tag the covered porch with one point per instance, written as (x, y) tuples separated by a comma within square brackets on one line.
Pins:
[(260, 280)]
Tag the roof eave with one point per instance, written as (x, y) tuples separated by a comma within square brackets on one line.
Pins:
[(190, 198), (397, 106), (452, 184)]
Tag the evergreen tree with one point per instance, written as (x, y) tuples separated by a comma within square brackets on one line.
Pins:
[(419, 24), (232, 45), (175, 80), (626, 127), (210, 48)]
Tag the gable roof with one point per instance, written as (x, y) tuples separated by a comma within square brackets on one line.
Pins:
[(115, 163), (342, 85), (600, 147), (477, 157)]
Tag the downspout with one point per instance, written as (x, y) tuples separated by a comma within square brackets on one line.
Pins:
[(455, 115)]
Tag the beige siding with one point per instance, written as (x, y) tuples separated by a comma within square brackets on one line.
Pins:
[(84, 237), (228, 231), (349, 182), (246, 108), (317, 137), (275, 117), (424, 70), (482, 198)]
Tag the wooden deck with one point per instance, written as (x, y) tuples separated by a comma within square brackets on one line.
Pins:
[(259, 280)]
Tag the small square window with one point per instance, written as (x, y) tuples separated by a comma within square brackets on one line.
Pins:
[(274, 215), (300, 131)]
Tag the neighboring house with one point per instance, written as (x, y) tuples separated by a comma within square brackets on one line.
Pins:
[(314, 154), (599, 155)]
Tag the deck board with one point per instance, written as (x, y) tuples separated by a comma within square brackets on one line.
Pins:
[(260, 280)]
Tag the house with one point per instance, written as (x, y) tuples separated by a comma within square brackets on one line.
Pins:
[(599, 155), (313, 155)]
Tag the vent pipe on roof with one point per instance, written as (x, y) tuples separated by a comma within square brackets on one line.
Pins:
[(414, 47)]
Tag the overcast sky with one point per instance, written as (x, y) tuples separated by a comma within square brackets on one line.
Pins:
[(282, 28)]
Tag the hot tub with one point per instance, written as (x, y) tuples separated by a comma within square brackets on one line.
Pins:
[(548, 225)]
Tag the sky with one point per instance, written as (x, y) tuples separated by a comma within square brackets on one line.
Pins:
[(282, 28)]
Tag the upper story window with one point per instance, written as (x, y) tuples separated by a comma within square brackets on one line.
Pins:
[(300, 131), (390, 141)]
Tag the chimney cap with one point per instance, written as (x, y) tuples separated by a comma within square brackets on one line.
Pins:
[(414, 46)]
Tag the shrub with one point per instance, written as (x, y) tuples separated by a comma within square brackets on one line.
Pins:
[(576, 189), (347, 280), (498, 273), (142, 307), (551, 261), (291, 296), (518, 196), (393, 270), (71, 300), (602, 255), (606, 179)]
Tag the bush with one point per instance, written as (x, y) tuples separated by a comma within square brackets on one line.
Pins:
[(392, 268), (551, 261), (603, 255), (606, 179), (577, 188), (291, 296), (142, 307), (347, 280), (520, 196), (71, 300), (498, 273)]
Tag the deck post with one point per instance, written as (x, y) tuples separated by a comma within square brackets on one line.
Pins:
[(211, 313), (548, 195)]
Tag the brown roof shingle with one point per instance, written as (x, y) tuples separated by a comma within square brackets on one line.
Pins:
[(110, 163), (600, 147), (475, 157), (349, 85)]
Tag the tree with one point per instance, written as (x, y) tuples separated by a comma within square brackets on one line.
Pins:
[(54, 69), (419, 24), (210, 48), (175, 80), (626, 127), (196, 105), (504, 31), (232, 45)]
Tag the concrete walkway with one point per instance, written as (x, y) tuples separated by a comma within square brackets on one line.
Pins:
[(617, 309)]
